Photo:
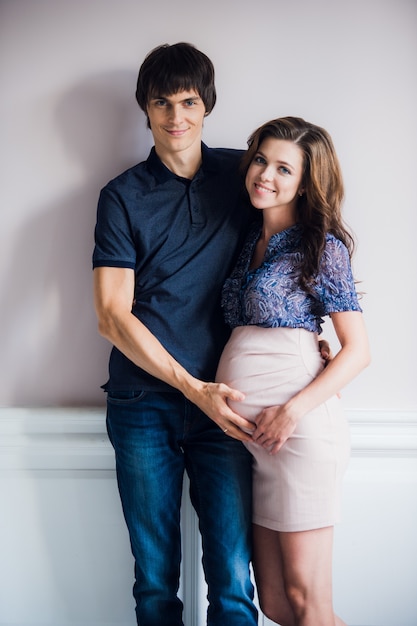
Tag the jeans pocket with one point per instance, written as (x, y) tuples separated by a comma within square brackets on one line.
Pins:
[(124, 398)]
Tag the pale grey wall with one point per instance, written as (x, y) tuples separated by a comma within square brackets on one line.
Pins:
[(70, 122)]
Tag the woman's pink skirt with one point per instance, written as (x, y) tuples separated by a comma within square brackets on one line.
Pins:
[(300, 487)]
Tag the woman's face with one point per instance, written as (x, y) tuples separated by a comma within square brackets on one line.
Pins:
[(274, 178)]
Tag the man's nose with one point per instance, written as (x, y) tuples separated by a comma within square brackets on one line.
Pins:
[(175, 113)]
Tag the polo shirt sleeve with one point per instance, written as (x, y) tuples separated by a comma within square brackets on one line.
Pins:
[(114, 244)]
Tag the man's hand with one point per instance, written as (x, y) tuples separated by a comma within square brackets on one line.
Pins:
[(212, 399), (325, 351), (327, 356)]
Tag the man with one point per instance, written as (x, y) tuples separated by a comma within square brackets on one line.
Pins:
[(167, 234)]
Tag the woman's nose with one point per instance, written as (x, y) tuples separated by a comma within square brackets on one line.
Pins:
[(267, 173)]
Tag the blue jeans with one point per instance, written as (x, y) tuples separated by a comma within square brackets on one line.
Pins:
[(156, 436)]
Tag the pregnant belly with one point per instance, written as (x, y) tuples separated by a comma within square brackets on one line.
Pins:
[(268, 365)]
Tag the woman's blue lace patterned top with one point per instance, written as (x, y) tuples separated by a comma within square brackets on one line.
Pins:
[(270, 295)]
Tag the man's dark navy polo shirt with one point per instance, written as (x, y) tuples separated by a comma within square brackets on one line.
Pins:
[(181, 238)]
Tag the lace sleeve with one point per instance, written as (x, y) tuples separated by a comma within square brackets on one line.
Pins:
[(336, 283)]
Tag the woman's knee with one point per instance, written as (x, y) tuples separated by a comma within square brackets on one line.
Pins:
[(308, 601), (297, 595), (276, 609)]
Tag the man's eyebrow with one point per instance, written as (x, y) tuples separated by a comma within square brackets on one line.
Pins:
[(187, 99)]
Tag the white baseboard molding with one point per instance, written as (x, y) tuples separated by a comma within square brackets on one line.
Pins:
[(56, 438), (376, 432)]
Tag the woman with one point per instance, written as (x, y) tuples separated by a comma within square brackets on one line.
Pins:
[(294, 269)]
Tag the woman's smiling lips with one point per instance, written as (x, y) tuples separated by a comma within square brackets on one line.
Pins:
[(263, 189)]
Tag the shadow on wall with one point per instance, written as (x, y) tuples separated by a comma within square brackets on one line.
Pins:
[(52, 353)]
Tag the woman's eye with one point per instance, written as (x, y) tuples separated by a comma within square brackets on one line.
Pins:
[(284, 170), (259, 159)]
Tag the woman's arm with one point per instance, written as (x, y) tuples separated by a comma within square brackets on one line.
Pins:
[(275, 424), (113, 297)]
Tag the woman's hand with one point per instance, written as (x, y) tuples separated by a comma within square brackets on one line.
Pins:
[(274, 425)]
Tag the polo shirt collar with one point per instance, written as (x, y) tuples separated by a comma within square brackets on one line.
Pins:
[(162, 174)]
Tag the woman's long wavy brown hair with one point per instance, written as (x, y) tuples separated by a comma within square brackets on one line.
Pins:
[(319, 208)]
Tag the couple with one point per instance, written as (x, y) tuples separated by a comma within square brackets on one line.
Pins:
[(168, 236)]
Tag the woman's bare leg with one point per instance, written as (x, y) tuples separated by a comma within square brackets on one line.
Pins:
[(293, 573), (268, 570)]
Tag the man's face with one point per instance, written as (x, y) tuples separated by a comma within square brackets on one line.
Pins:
[(176, 122)]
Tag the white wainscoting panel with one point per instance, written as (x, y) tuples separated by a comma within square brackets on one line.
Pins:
[(65, 554)]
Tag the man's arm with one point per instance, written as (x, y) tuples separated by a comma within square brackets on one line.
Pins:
[(113, 297)]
